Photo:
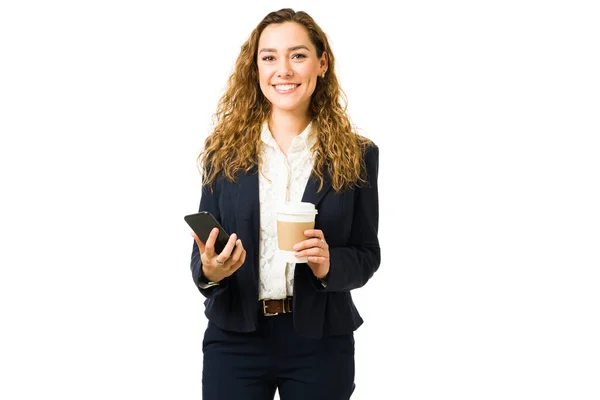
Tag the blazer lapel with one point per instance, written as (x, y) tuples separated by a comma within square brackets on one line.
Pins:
[(247, 212), (310, 192), (247, 204)]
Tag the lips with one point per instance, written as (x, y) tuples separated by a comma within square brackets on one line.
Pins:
[(286, 88)]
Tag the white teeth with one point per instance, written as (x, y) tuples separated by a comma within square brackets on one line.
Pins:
[(285, 88)]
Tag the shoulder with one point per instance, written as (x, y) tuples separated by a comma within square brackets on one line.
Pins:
[(370, 161), (370, 151), (368, 146)]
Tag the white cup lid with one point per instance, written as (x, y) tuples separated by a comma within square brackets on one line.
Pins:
[(294, 207)]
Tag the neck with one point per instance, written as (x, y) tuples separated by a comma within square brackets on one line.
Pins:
[(287, 124)]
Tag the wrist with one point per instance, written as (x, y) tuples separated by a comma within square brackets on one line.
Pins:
[(324, 276), (208, 277)]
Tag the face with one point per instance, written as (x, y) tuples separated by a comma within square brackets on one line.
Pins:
[(288, 66)]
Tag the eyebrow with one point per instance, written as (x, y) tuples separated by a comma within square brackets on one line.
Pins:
[(268, 50)]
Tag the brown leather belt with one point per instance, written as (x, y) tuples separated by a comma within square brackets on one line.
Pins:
[(271, 307)]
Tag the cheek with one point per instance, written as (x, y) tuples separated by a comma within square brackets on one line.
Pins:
[(311, 85), (263, 80), (261, 77), (310, 76)]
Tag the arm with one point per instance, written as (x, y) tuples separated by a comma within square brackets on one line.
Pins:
[(353, 265), (208, 202)]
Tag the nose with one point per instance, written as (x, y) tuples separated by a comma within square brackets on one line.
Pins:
[(284, 67)]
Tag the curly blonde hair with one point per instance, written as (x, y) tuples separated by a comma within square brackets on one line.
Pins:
[(234, 146)]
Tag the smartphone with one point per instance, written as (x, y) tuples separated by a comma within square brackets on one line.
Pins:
[(202, 224)]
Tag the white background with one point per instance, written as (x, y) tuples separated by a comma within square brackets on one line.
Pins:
[(487, 117)]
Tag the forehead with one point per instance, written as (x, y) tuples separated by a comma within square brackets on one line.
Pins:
[(285, 35)]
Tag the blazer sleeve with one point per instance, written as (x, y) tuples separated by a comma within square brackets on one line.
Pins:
[(209, 201), (353, 265)]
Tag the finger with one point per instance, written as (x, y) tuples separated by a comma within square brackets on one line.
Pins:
[(314, 233), (198, 242), (305, 244), (228, 249), (313, 251), (317, 242), (237, 252), (317, 259), (240, 261), (210, 242)]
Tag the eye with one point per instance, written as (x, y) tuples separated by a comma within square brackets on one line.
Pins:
[(268, 58), (298, 55)]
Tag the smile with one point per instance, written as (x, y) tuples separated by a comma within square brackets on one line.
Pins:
[(283, 89)]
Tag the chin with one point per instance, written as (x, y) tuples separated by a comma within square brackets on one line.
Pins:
[(287, 105)]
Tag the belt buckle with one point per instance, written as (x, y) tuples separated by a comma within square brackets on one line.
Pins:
[(268, 314)]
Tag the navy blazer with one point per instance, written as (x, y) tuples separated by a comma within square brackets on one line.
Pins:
[(349, 221)]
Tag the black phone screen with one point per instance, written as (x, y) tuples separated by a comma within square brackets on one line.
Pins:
[(202, 224)]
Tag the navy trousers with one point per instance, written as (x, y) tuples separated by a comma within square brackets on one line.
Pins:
[(251, 366)]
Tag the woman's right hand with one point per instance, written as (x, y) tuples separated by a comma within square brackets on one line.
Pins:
[(216, 267)]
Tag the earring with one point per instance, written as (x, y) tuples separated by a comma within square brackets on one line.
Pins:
[(323, 75)]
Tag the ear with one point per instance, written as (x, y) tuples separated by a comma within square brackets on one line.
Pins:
[(324, 62)]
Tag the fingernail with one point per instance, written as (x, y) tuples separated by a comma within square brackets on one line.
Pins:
[(295, 247)]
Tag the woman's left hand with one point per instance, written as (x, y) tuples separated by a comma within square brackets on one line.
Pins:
[(317, 251)]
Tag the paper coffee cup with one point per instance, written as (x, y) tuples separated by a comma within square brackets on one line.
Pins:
[(293, 218)]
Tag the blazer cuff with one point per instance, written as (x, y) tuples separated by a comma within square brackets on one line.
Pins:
[(203, 283)]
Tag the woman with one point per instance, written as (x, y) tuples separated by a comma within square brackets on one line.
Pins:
[(282, 133)]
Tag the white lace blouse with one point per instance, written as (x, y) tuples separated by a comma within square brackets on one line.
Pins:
[(280, 179)]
